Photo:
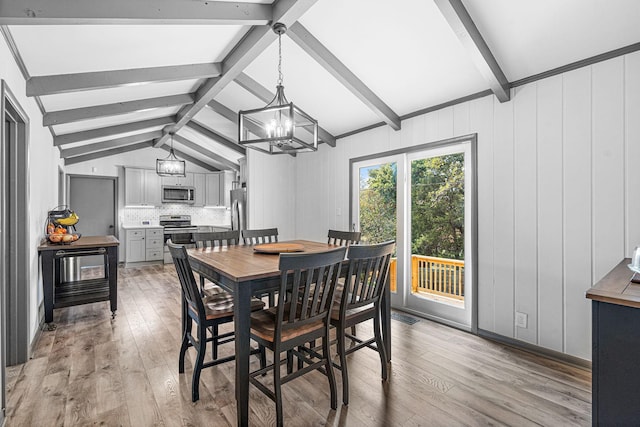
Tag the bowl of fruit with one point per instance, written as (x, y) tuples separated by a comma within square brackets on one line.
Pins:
[(61, 235)]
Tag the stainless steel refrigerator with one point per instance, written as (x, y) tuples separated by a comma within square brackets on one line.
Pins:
[(239, 209)]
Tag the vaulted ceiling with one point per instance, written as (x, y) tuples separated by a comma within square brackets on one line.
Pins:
[(121, 75)]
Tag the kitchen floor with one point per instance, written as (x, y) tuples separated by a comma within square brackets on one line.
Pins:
[(93, 370)]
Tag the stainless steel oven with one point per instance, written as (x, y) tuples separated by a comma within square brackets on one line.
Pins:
[(178, 228)]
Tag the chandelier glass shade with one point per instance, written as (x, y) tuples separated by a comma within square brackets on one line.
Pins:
[(279, 127), (171, 165)]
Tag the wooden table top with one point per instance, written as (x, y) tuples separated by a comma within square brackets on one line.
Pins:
[(616, 287), (82, 242), (242, 263)]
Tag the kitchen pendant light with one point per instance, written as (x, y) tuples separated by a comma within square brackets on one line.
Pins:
[(280, 127), (171, 165)]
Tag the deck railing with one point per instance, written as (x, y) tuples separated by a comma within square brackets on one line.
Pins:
[(433, 275)]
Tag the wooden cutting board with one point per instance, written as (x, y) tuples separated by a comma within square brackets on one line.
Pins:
[(277, 248)]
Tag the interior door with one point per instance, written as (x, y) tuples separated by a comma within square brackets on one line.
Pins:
[(93, 198)]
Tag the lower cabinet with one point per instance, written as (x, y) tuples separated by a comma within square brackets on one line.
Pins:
[(144, 244)]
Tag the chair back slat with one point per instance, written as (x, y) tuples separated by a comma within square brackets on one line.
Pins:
[(367, 275), (257, 237), (343, 238), (188, 284), (311, 288), (217, 239)]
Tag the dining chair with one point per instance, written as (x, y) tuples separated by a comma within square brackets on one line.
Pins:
[(256, 237), (307, 285), (343, 238), (207, 312), (364, 284), (215, 239)]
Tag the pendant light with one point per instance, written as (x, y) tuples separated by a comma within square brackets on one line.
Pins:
[(171, 165), (280, 127)]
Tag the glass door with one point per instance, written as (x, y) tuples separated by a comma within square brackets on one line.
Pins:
[(439, 218)]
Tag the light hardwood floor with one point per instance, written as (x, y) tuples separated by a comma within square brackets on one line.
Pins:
[(96, 371)]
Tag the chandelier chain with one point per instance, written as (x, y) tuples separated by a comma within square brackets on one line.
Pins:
[(280, 59)]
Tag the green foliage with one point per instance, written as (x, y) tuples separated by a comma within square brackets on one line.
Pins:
[(437, 205)]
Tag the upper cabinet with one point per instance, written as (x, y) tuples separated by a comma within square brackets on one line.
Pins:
[(186, 181), (218, 186), (141, 187), (199, 183)]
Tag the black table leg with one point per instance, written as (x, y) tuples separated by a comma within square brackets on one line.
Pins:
[(242, 322), (48, 284), (112, 274)]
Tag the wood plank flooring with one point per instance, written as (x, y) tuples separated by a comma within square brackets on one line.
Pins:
[(93, 370)]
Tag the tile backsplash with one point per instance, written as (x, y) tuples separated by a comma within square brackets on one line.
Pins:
[(199, 216)]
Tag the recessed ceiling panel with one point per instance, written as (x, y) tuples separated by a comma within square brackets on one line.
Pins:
[(530, 37), (65, 49), (114, 120), (310, 87), (65, 101), (404, 52)]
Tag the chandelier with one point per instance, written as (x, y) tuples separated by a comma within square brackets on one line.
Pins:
[(279, 127), (171, 165)]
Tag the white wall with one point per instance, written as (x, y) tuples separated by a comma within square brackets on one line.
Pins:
[(44, 160), (558, 184)]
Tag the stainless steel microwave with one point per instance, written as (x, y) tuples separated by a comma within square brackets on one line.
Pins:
[(178, 194)]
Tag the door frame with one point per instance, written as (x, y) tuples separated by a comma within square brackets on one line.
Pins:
[(403, 226), (14, 251), (116, 219)]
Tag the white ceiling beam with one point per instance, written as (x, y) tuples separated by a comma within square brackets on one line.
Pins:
[(312, 46), (465, 29), (114, 143), (226, 163), (109, 131), (215, 136), (138, 12), (106, 153), (243, 54), (86, 113), (209, 165), (64, 83), (252, 86)]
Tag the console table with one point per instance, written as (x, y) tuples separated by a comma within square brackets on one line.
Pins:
[(616, 348), (58, 294)]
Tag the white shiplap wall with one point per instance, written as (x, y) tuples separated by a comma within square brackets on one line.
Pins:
[(558, 183)]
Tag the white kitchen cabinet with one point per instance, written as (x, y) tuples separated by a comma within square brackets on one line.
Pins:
[(186, 181), (212, 187), (141, 187), (226, 183), (199, 183), (144, 244)]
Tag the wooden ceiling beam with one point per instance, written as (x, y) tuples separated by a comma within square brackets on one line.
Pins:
[(221, 160), (465, 29), (86, 113), (184, 156), (220, 139), (138, 12), (243, 54), (312, 46), (107, 145), (107, 153), (109, 131), (64, 83), (252, 86)]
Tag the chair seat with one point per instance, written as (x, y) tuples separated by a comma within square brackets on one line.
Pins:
[(263, 325), (335, 312), (221, 305), (213, 289)]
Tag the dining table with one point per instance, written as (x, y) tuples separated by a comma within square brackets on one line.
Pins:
[(246, 271)]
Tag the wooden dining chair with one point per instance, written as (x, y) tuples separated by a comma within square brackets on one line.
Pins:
[(256, 237), (367, 276), (214, 240), (207, 313), (307, 285), (343, 238)]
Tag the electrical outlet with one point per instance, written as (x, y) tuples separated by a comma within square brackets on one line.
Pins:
[(338, 211), (521, 320)]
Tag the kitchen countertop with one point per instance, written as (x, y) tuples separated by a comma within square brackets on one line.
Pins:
[(130, 226)]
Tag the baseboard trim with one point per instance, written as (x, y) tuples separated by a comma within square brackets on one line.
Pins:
[(38, 332), (531, 348)]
